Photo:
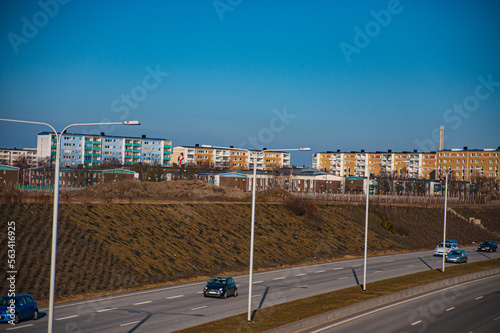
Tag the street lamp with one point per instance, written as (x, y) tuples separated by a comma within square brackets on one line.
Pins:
[(252, 228), (56, 203)]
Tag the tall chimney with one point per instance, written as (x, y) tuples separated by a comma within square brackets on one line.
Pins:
[(441, 137)]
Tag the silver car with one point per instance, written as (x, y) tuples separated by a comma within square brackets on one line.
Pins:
[(459, 256), (438, 251)]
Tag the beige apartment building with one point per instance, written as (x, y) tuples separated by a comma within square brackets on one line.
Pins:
[(229, 158), (464, 163)]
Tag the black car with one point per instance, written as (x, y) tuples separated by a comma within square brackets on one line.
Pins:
[(489, 246), (220, 286)]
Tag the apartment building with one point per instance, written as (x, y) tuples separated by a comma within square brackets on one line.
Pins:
[(229, 158), (466, 164), (90, 150), (11, 157)]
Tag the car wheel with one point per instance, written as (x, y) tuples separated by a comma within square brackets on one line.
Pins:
[(224, 295), (35, 315), (205, 295), (235, 292), (16, 318)]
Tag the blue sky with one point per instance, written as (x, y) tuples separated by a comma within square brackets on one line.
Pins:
[(372, 75)]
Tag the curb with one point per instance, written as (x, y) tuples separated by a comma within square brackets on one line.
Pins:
[(347, 310)]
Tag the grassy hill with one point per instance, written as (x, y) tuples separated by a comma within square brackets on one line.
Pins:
[(105, 247)]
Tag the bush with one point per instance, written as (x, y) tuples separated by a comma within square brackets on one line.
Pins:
[(388, 225)]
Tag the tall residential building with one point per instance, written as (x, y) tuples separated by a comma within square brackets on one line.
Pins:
[(466, 164), (231, 158), (90, 150), (13, 156)]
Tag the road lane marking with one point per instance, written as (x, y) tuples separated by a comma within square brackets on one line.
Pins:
[(301, 274), (415, 323), (198, 308), (449, 309), (389, 260), (140, 303), (258, 282), (496, 318), (356, 266), (104, 310), (378, 272), (336, 269), (320, 271), (397, 304), (17, 327), (478, 298), (131, 323), (303, 286), (257, 295), (176, 296), (343, 278), (68, 317), (410, 265), (279, 278)]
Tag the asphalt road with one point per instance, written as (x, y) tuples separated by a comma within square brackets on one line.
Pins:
[(469, 307), (172, 308)]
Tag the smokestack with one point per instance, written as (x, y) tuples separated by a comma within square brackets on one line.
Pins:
[(441, 137)]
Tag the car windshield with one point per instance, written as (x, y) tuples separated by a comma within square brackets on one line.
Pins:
[(5, 301), (218, 280), (455, 252), (486, 243)]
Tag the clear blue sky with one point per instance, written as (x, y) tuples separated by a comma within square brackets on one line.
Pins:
[(329, 75)]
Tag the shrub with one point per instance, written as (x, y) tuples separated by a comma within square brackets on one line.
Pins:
[(388, 225)]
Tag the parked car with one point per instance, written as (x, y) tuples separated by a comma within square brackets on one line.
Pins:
[(459, 256), (438, 251), (220, 286), (17, 308), (489, 246)]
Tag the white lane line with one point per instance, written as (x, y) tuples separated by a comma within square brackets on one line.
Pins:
[(356, 266), (258, 282), (397, 304), (200, 292), (131, 323), (104, 310), (378, 272), (301, 274), (140, 303), (303, 286), (198, 308), (496, 318), (449, 309), (320, 271), (279, 278), (18, 327), (478, 298), (343, 278), (415, 323), (257, 295), (336, 269), (389, 260), (176, 296), (410, 265), (68, 317)]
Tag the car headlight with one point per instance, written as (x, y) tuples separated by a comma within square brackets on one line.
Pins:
[(220, 289)]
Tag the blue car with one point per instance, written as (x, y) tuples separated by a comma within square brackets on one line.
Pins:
[(16, 308)]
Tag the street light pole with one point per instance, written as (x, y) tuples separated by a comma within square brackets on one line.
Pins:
[(366, 223), (53, 256), (252, 227), (444, 218)]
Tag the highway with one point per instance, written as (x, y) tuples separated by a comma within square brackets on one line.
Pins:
[(172, 308), (468, 307)]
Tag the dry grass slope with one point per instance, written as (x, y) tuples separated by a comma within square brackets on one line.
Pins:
[(115, 246)]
